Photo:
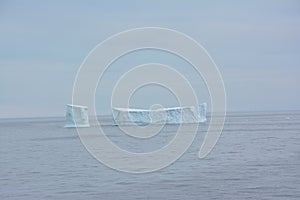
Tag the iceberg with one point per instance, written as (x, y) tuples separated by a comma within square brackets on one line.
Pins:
[(77, 116), (175, 115)]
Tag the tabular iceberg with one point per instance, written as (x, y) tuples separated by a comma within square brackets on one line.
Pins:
[(77, 116), (176, 115)]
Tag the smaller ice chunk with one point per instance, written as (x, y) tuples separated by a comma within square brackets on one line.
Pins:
[(202, 112), (77, 116)]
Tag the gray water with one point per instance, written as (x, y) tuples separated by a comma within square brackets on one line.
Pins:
[(257, 157)]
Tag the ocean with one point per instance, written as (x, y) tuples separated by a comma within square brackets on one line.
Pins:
[(256, 157)]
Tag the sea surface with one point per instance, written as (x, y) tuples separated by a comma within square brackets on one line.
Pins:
[(256, 157)]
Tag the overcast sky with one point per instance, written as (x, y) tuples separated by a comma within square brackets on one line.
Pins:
[(255, 44)]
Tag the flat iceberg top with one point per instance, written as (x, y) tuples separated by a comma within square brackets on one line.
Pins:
[(76, 106), (145, 110)]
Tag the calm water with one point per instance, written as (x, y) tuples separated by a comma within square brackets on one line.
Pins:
[(257, 157)]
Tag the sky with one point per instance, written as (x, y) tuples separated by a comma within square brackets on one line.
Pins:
[(255, 45)]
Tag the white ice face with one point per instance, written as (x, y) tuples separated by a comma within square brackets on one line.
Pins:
[(177, 115), (77, 116)]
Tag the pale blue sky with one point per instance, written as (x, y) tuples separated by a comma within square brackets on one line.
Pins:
[(255, 44)]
